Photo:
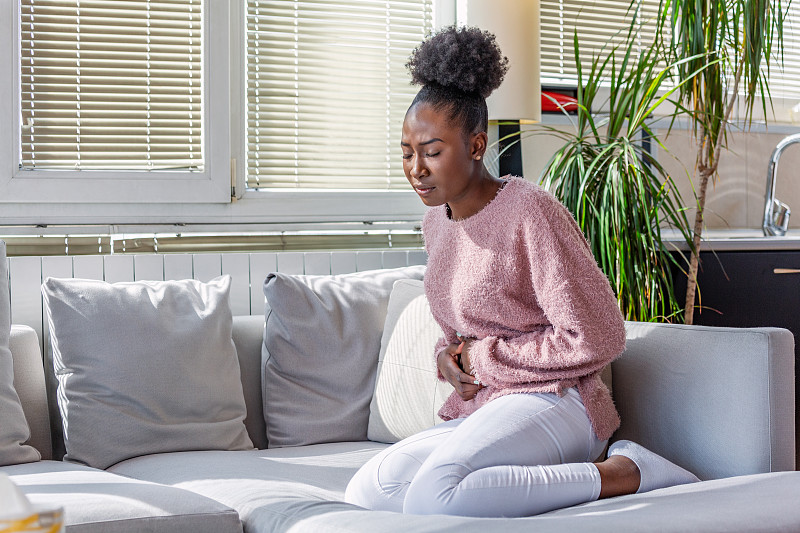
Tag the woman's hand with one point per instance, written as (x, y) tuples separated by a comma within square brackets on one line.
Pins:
[(463, 383), (466, 362)]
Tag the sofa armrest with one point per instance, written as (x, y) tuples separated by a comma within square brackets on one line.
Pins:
[(29, 381), (717, 401)]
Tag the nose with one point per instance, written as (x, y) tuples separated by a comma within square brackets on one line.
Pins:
[(418, 168)]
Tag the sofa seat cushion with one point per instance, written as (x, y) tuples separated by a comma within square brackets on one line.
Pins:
[(760, 503), (299, 490), (267, 487), (99, 501)]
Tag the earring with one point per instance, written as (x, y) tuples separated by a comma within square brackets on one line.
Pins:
[(477, 158)]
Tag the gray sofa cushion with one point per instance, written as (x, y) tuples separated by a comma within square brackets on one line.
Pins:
[(717, 401), (95, 501), (145, 367), (408, 394), (29, 380), (321, 344), (13, 426), (264, 486), (753, 504), (299, 490), (248, 336)]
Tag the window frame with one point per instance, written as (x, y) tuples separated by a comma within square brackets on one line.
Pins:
[(303, 206), (121, 187), (86, 205), (76, 201)]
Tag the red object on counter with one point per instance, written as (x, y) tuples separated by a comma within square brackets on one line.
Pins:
[(569, 103)]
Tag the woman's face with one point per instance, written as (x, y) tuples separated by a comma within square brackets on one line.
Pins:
[(438, 160)]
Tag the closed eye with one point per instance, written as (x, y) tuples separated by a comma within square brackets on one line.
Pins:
[(432, 155)]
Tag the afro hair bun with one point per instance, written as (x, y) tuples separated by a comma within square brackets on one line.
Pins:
[(467, 59)]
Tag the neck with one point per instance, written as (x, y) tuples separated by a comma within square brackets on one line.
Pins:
[(476, 197)]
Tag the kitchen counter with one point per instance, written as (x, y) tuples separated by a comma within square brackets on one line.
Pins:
[(723, 240)]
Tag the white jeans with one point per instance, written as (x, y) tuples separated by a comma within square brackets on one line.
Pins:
[(518, 455)]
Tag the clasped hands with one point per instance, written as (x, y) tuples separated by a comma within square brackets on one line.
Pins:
[(455, 365)]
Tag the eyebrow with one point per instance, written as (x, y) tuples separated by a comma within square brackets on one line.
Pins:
[(435, 139)]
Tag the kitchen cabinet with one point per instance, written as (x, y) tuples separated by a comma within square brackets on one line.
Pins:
[(748, 289)]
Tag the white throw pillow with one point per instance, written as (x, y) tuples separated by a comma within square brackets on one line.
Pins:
[(408, 395), (14, 430), (145, 367)]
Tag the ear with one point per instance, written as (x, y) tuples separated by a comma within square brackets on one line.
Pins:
[(478, 145)]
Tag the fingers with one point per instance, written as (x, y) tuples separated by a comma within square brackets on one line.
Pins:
[(469, 391), (466, 386), (464, 339), (466, 378)]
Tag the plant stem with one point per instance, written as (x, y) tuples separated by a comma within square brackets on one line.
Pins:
[(708, 163), (691, 281)]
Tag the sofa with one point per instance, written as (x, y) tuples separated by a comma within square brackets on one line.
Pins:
[(717, 401)]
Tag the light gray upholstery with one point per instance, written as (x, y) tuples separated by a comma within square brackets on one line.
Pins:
[(265, 486), (321, 344), (248, 336), (717, 401), (299, 490), (145, 367), (29, 380), (14, 429), (95, 501), (723, 394)]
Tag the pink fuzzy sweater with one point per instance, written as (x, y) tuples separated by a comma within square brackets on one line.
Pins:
[(519, 277)]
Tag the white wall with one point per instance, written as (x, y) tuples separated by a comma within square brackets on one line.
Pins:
[(736, 200)]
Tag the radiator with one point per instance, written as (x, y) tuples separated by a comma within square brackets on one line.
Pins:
[(247, 272)]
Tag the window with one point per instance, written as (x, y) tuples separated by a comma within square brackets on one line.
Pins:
[(786, 83), (111, 86), (597, 23), (327, 90), (114, 102), (300, 109)]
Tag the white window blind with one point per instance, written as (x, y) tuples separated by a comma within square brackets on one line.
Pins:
[(327, 90), (111, 85), (598, 24), (784, 82)]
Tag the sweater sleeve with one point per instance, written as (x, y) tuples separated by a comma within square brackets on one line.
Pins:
[(585, 330)]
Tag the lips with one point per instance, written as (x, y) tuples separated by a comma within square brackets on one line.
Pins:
[(423, 190)]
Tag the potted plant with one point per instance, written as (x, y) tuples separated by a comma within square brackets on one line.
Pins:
[(618, 191), (728, 45)]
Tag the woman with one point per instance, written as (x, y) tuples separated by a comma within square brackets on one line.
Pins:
[(529, 322)]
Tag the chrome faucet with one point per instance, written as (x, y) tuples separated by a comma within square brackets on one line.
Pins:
[(776, 213)]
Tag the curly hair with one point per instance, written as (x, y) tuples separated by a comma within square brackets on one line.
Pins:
[(458, 69)]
